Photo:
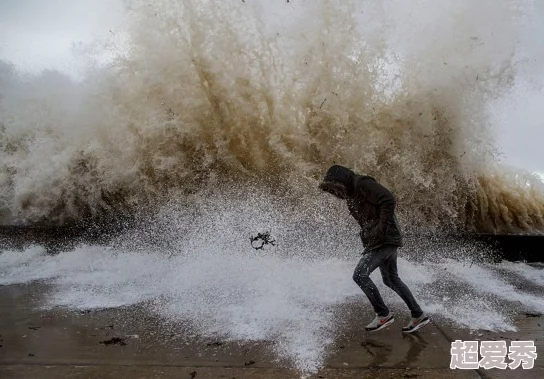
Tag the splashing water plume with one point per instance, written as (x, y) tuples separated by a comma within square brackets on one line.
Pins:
[(208, 91)]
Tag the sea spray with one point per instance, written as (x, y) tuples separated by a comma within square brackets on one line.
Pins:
[(205, 93)]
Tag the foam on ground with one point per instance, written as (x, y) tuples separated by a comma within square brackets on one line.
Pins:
[(214, 281)]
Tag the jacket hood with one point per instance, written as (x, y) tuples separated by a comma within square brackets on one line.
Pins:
[(342, 175), (339, 174)]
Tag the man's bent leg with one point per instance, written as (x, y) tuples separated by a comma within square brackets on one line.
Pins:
[(368, 263), (391, 279)]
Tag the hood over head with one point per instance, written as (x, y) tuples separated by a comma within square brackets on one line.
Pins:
[(338, 181)]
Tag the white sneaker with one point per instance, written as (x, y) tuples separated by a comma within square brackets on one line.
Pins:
[(380, 322), (416, 324)]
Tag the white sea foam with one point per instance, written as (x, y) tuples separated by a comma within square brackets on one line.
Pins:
[(533, 274), (484, 280), (212, 278)]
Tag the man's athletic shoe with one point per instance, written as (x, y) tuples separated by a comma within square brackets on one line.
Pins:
[(416, 323), (380, 322)]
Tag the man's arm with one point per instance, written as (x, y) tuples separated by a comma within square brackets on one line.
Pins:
[(385, 200)]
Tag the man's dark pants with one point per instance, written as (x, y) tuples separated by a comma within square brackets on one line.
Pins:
[(385, 258)]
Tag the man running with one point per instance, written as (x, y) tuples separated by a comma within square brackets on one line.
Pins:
[(373, 206)]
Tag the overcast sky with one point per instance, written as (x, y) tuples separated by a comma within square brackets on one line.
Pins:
[(41, 34)]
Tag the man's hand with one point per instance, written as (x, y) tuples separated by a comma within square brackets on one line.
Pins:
[(377, 234), (373, 235), (362, 237)]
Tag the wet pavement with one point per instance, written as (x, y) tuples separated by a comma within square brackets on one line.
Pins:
[(131, 343)]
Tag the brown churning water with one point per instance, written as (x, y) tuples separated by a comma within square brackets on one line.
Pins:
[(233, 94)]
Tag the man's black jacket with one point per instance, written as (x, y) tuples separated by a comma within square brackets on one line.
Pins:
[(372, 205)]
